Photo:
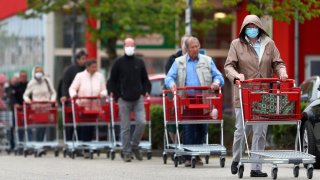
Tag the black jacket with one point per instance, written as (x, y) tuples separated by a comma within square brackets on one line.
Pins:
[(171, 60), (18, 91), (129, 79), (68, 77)]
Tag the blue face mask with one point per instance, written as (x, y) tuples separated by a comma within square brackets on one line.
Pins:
[(252, 32)]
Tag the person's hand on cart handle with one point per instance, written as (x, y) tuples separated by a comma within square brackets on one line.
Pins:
[(173, 87), (239, 77), (215, 85), (63, 99), (283, 76)]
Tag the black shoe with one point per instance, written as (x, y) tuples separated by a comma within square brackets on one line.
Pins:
[(258, 173), (234, 167), (137, 154)]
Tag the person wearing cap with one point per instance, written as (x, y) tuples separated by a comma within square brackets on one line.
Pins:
[(252, 55)]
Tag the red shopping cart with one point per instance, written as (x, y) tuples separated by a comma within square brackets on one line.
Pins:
[(41, 117), (273, 102), (192, 105), (145, 143), (88, 112)]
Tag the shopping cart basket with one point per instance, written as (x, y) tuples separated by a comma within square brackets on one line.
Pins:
[(41, 117), (273, 102), (87, 112), (207, 105)]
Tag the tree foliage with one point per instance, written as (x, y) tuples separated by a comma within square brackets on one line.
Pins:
[(120, 18), (282, 10)]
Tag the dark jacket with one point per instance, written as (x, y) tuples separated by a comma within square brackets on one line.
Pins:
[(171, 60), (68, 77), (129, 79), (18, 91)]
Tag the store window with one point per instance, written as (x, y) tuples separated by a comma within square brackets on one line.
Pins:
[(312, 66)]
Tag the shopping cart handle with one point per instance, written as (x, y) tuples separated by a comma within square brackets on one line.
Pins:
[(267, 80), (40, 102)]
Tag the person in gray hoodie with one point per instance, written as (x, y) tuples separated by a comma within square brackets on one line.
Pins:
[(252, 55)]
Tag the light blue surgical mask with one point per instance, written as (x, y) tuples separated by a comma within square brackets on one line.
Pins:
[(252, 32)]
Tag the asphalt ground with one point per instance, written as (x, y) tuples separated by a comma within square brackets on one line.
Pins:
[(50, 167)]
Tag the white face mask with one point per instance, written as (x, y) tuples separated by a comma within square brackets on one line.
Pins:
[(38, 75), (129, 51)]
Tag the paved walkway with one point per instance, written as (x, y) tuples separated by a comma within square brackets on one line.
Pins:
[(49, 167)]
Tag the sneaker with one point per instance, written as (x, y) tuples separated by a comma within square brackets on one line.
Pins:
[(137, 154), (187, 163), (127, 158), (234, 167), (199, 161), (258, 173)]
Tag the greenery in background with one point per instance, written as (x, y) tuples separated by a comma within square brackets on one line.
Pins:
[(284, 10), (156, 113), (131, 17)]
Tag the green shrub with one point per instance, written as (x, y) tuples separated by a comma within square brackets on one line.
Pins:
[(156, 113)]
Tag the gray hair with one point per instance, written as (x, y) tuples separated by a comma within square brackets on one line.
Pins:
[(191, 39)]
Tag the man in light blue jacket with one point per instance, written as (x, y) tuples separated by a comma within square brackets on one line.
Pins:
[(193, 69)]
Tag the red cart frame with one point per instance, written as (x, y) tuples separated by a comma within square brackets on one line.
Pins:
[(86, 111), (40, 114), (192, 105), (273, 102)]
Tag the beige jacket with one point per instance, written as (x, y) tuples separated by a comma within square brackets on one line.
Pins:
[(40, 90), (243, 59), (86, 85)]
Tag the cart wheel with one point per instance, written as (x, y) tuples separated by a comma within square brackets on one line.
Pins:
[(172, 157), (222, 161), (240, 171), (310, 172), (207, 159), (193, 162), (176, 159), (149, 155), (91, 155), (181, 160), (25, 153), (56, 153), (113, 155), (73, 154), (64, 153), (296, 171), (98, 153), (274, 173), (164, 157)]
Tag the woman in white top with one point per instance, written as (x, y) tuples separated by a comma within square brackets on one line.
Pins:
[(39, 88), (88, 83)]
